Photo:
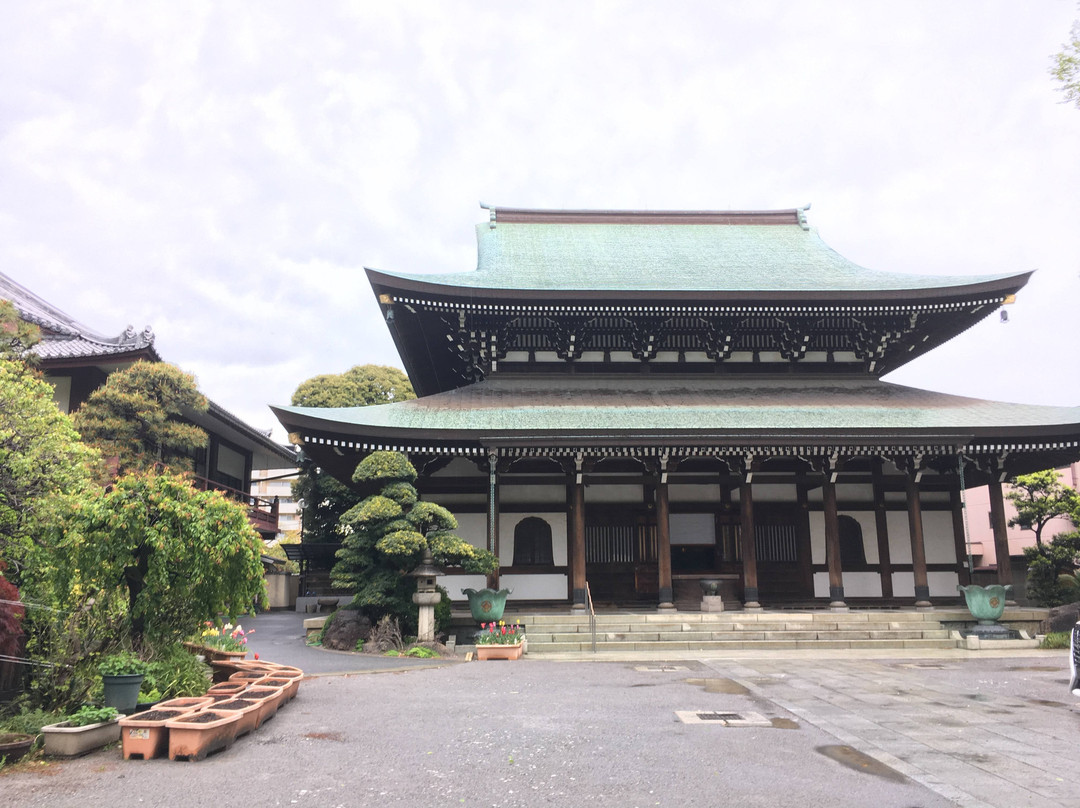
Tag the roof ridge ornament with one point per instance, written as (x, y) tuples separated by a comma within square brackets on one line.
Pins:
[(801, 213), (491, 214)]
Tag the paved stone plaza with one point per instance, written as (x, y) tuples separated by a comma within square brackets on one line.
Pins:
[(936, 729)]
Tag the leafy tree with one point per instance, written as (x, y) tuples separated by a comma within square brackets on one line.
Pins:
[(43, 466), (172, 555), (1052, 570), (326, 499), (137, 416), (1039, 498), (360, 386), (16, 335), (385, 535), (1066, 66)]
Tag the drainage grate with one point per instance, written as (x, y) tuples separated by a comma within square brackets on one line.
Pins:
[(661, 668), (719, 717), (722, 719)]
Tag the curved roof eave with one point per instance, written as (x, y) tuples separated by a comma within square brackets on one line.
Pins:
[(444, 286)]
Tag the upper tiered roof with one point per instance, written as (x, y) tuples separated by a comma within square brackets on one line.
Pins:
[(672, 292), (760, 253)]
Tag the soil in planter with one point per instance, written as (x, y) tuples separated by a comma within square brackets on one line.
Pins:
[(157, 715), (235, 704), (203, 718)]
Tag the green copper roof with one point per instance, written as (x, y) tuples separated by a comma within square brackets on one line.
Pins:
[(646, 252), (570, 407)]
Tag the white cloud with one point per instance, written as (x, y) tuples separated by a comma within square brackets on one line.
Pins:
[(223, 171)]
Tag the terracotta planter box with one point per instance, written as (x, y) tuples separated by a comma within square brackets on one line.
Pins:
[(269, 699), (187, 703), (64, 740), (145, 735), (225, 656), (248, 677), (498, 651), (289, 685), (248, 709), (231, 688), (196, 735)]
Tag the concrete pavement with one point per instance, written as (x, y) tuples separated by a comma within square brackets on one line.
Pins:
[(767, 729)]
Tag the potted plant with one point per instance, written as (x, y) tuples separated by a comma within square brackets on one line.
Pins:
[(227, 643), (83, 731), (499, 641), (122, 676)]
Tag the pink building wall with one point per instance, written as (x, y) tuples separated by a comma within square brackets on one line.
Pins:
[(981, 533)]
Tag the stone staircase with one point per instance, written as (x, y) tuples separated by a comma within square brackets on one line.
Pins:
[(732, 631)]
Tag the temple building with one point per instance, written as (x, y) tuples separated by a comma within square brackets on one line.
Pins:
[(641, 400), (76, 360)]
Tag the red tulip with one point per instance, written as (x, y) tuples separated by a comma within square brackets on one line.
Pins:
[(504, 629), (256, 656)]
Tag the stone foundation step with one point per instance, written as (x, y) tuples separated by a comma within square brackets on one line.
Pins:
[(726, 617), (737, 645), (537, 638), (653, 628)]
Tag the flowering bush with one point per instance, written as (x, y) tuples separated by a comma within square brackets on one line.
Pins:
[(500, 634), (227, 638)]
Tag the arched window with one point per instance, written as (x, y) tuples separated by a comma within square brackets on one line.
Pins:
[(532, 542), (852, 552)]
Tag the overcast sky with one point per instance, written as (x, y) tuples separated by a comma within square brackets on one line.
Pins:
[(223, 171)]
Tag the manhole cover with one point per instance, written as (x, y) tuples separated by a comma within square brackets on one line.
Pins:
[(717, 718)]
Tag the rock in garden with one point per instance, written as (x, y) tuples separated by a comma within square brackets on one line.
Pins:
[(346, 627), (1061, 618)]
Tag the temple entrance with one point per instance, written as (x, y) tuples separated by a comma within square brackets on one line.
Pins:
[(620, 555), (783, 553)]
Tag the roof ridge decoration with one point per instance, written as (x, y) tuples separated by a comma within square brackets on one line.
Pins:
[(48, 317)]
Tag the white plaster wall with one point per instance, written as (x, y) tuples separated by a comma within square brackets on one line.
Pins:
[(847, 492), (817, 539), (814, 495), (938, 537), (529, 494), (903, 585), (692, 528), (473, 528), (774, 493), (509, 521), (450, 500), (535, 587), (453, 584), (613, 493), (869, 536), (942, 584), (694, 493), (934, 496), (61, 392), (895, 497), (899, 538), (856, 585), (860, 584)]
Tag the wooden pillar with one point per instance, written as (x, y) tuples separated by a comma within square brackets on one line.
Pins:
[(1001, 533), (663, 547), (963, 573), (832, 544), (918, 547), (493, 516), (576, 491), (749, 549), (881, 523)]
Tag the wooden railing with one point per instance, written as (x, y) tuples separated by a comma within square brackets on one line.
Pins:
[(592, 615), (262, 513)]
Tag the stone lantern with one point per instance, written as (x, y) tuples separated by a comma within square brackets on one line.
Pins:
[(426, 596)]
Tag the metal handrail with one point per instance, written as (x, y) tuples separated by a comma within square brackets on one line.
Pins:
[(592, 615)]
